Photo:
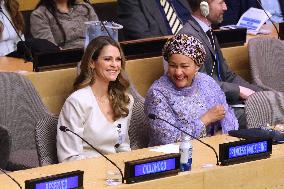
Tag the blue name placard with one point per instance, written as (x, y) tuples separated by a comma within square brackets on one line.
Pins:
[(151, 168), (244, 150), (248, 149), (155, 167), (65, 183), (69, 180)]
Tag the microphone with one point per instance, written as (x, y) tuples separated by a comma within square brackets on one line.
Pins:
[(26, 51), (66, 129), (11, 178), (259, 3), (153, 116)]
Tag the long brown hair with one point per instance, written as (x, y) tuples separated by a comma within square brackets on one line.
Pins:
[(116, 89), (16, 16)]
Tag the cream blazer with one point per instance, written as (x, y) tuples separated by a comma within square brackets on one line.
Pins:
[(81, 114)]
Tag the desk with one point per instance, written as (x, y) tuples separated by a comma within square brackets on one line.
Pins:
[(261, 174), (9, 64), (268, 27)]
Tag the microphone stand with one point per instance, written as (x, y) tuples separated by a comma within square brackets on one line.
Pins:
[(11, 178), (153, 116), (65, 129)]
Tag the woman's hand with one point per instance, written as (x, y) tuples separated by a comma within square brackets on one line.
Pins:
[(214, 114), (245, 92)]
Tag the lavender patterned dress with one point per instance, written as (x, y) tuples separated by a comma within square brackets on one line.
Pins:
[(184, 107)]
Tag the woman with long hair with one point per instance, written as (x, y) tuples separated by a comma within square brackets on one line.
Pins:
[(62, 22), (100, 108), (9, 15)]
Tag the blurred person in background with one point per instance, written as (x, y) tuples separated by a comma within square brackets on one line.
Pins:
[(8, 36), (151, 18), (62, 22)]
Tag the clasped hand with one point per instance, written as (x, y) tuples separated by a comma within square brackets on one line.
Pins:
[(214, 114)]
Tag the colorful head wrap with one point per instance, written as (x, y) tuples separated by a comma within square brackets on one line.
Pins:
[(185, 45)]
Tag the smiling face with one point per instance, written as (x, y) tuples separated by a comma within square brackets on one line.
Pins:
[(108, 64), (217, 9), (182, 70)]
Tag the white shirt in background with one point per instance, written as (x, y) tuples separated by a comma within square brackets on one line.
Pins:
[(8, 38)]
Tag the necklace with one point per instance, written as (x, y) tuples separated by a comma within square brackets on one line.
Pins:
[(102, 100)]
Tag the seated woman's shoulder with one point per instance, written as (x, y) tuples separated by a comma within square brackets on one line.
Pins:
[(206, 78), (84, 5), (83, 8), (81, 95), (163, 80), (41, 10), (161, 88)]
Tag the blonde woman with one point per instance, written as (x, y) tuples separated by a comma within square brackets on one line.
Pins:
[(100, 108)]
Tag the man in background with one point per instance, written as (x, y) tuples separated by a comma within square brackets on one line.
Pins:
[(236, 89)]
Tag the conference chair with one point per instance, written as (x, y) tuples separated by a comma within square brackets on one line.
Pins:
[(45, 136), (21, 108), (141, 73), (266, 56), (265, 107), (138, 130), (4, 141)]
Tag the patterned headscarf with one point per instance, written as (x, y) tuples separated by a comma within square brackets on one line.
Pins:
[(185, 45)]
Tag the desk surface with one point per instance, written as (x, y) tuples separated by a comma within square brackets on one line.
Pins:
[(268, 27), (9, 64), (260, 174)]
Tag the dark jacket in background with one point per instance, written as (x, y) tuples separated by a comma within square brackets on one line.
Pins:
[(142, 18)]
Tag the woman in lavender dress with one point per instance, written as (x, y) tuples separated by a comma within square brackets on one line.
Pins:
[(190, 100)]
